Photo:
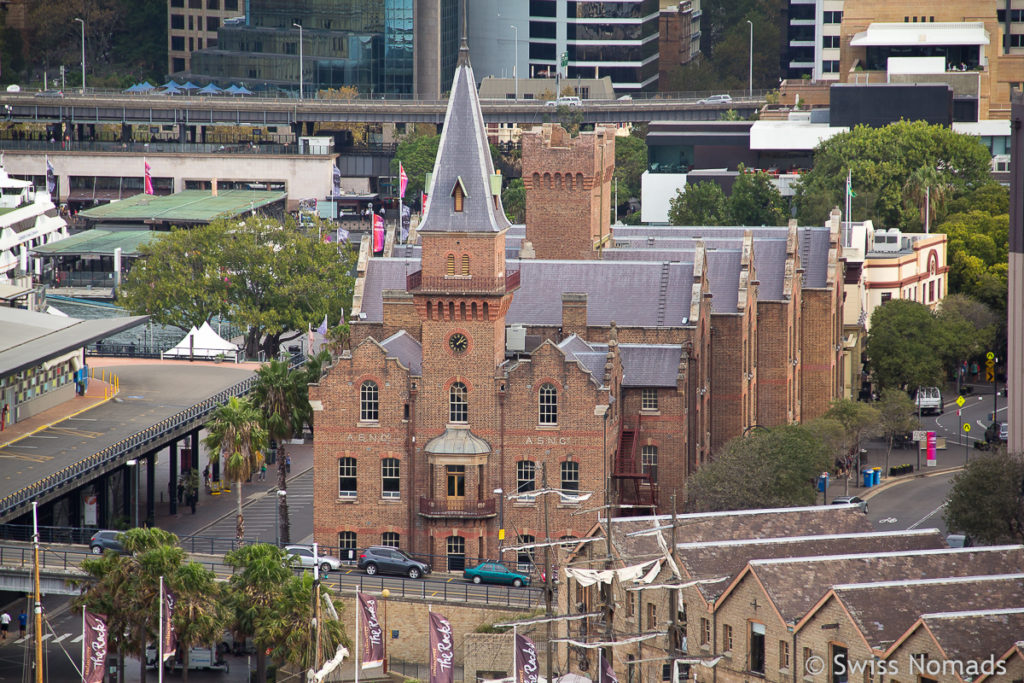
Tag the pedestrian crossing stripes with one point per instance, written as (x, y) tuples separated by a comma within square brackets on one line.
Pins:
[(49, 636)]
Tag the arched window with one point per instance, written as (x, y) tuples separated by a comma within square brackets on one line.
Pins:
[(390, 539), (347, 486), (548, 405), (440, 310), (458, 408), (558, 181), (430, 310), (368, 402), (579, 181), (473, 309), (451, 310), (568, 181), (485, 311), (449, 265), (570, 481), (536, 181), (459, 196), (462, 310), (347, 541), (465, 264)]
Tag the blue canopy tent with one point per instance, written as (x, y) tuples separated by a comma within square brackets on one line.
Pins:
[(189, 85), (134, 88), (172, 90), (171, 84), (211, 89), (233, 89), (242, 90)]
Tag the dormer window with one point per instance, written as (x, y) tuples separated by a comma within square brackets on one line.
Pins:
[(459, 194)]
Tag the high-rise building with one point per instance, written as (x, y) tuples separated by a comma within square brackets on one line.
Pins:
[(394, 47), (192, 25), (590, 39)]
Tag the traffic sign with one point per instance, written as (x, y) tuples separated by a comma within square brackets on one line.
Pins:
[(960, 401), (919, 435), (990, 364), (990, 356), (967, 427), (990, 375)]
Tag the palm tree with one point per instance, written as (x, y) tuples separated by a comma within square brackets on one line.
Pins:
[(237, 436), (290, 628), (926, 189), (255, 592), (280, 394), (200, 613)]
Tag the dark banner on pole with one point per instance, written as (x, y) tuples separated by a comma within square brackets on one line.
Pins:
[(94, 650), (371, 635), (527, 667), (442, 650), (170, 642), (607, 672)]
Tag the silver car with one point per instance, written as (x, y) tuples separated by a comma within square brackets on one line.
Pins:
[(305, 555)]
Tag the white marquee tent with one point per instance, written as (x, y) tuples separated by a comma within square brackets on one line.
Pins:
[(203, 343)]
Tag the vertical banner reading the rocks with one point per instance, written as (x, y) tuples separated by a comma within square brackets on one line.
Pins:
[(442, 650), (94, 648), (371, 636), (527, 667)]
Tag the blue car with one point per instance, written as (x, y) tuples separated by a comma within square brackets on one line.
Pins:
[(493, 572)]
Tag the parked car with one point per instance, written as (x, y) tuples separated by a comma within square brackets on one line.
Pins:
[(928, 400), (105, 540), (494, 572), (305, 555), (716, 99), (385, 560), (997, 432), (847, 500)]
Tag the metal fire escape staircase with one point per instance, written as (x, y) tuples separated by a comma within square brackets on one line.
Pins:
[(637, 494)]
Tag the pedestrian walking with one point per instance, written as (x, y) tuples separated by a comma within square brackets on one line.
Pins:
[(22, 623), (181, 491), (5, 623), (287, 464), (263, 472)]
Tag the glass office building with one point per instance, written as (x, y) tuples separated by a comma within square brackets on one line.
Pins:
[(367, 44)]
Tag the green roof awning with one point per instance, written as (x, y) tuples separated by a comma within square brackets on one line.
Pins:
[(99, 243), (189, 206)]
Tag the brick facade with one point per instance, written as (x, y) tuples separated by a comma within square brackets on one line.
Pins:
[(568, 191)]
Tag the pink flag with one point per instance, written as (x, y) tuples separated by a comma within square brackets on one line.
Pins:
[(94, 647), (607, 672), (378, 232), (370, 634), (149, 179), (403, 180), (527, 667), (442, 649)]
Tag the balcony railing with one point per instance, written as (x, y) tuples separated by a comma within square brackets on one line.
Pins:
[(449, 508), (462, 284)]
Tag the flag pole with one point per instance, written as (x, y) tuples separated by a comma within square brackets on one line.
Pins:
[(160, 637), (358, 610), (83, 642)]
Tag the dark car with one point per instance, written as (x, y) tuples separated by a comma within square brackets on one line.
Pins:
[(385, 560), (850, 500), (105, 540), (997, 432)]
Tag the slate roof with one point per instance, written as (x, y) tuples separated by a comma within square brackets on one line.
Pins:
[(738, 524), (796, 584), (728, 558), (650, 365), (592, 356), (463, 155), (381, 274), (814, 256), (406, 349), (724, 279), (976, 635), (884, 611)]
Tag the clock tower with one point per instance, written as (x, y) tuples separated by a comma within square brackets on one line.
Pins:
[(462, 294)]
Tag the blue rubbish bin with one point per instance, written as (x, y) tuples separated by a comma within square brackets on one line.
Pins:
[(823, 482), (869, 477), (876, 476)]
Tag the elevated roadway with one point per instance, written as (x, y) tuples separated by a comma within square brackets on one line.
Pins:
[(251, 111)]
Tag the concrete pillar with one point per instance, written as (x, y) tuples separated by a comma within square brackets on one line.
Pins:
[(150, 488), (103, 501), (172, 477), (182, 133), (126, 492)]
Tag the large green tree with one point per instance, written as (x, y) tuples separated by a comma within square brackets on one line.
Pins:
[(289, 628), (200, 614), (986, 500), (417, 154), (630, 164), (768, 468), (237, 438), (702, 203), (969, 329), (755, 200), (897, 415), (905, 345), (272, 279), (978, 247), (513, 199), (882, 161)]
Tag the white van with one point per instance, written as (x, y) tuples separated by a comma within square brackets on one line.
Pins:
[(928, 400), (14, 87), (566, 101)]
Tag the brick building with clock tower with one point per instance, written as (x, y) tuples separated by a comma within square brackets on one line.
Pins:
[(485, 368)]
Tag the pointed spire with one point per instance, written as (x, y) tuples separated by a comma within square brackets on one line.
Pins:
[(464, 42)]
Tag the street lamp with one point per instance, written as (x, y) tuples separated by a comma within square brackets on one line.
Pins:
[(299, 26), (501, 518), (385, 594), (515, 64), (82, 22), (750, 71), (134, 464), (281, 494)]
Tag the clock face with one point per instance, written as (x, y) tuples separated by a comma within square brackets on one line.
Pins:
[(458, 342)]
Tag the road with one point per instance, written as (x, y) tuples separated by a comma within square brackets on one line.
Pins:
[(914, 504)]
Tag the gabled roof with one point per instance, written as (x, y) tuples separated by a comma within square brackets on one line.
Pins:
[(406, 349), (463, 157), (971, 635), (796, 584), (728, 558), (591, 356), (884, 611)]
